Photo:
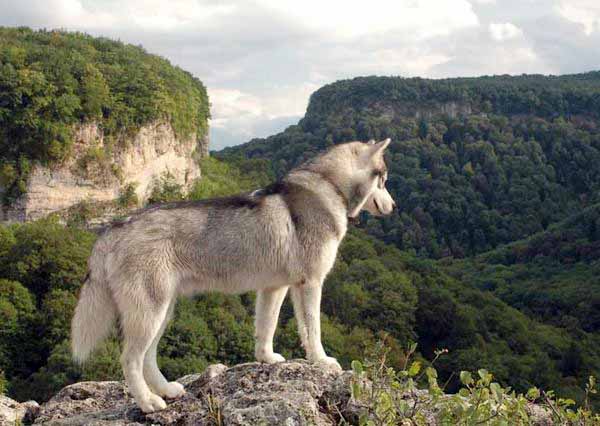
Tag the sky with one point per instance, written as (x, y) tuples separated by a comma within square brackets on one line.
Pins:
[(261, 59)]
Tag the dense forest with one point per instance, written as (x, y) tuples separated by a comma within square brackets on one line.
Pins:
[(52, 80), (553, 275), (468, 175), (492, 254)]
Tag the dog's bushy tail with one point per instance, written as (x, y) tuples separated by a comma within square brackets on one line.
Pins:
[(94, 318)]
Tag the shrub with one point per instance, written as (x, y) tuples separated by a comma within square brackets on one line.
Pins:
[(165, 189), (387, 397), (128, 197)]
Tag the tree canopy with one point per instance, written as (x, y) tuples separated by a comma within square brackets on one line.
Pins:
[(51, 81)]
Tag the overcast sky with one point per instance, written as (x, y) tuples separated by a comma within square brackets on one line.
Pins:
[(261, 59)]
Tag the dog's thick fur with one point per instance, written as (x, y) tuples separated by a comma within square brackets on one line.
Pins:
[(284, 237)]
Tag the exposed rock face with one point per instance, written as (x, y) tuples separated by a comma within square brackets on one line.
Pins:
[(424, 110), (293, 393), (13, 412), (88, 176)]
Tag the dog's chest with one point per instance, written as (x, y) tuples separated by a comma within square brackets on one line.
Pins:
[(318, 260)]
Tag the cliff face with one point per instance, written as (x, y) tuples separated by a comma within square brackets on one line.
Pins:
[(96, 173), (426, 110)]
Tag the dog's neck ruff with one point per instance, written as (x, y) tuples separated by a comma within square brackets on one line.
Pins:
[(340, 194), (337, 190)]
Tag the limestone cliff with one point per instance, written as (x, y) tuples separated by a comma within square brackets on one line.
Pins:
[(97, 171)]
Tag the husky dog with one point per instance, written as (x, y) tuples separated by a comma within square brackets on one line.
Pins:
[(284, 237)]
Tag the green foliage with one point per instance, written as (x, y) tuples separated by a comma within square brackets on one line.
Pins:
[(47, 256), (222, 178), (413, 299), (387, 397), (96, 164), (166, 189), (17, 316), (557, 270), (41, 267), (51, 81), (128, 197), (82, 213)]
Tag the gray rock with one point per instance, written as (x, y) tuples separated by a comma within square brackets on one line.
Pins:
[(293, 393), (13, 412)]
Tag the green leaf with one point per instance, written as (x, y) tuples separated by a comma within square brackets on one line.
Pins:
[(533, 393), (414, 369), (356, 390), (357, 367), (466, 378), (485, 376), (431, 373), (496, 390)]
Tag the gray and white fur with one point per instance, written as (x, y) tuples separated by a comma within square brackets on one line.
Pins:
[(278, 239)]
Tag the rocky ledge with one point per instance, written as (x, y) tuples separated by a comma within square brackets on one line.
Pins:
[(293, 393), (290, 393)]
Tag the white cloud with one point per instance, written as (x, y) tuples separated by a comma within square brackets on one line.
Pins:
[(584, 12), (229, 103), (504, 31), (261, 59), (56, 13), (244, 115), (355, 18), (169, 15)]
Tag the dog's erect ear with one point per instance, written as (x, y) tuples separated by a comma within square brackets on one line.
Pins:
[(379, 147)]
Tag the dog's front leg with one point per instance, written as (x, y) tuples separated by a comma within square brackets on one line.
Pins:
[(307, 307), (268, 304)]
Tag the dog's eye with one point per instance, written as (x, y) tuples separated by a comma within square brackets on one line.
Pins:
[(381, 177)]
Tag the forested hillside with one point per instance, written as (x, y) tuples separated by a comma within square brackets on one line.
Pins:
[(553, 275), (51, 81), (474, 163)]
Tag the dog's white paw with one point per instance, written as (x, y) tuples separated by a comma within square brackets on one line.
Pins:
[(329, 361), (269, 358), (172, 390), (152, 403)]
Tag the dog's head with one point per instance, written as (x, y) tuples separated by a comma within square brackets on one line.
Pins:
[(379, 202), (359, 170)]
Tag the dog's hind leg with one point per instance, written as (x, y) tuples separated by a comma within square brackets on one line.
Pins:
[(268, 304), (297, 302), (143, 306), (152, 374)]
